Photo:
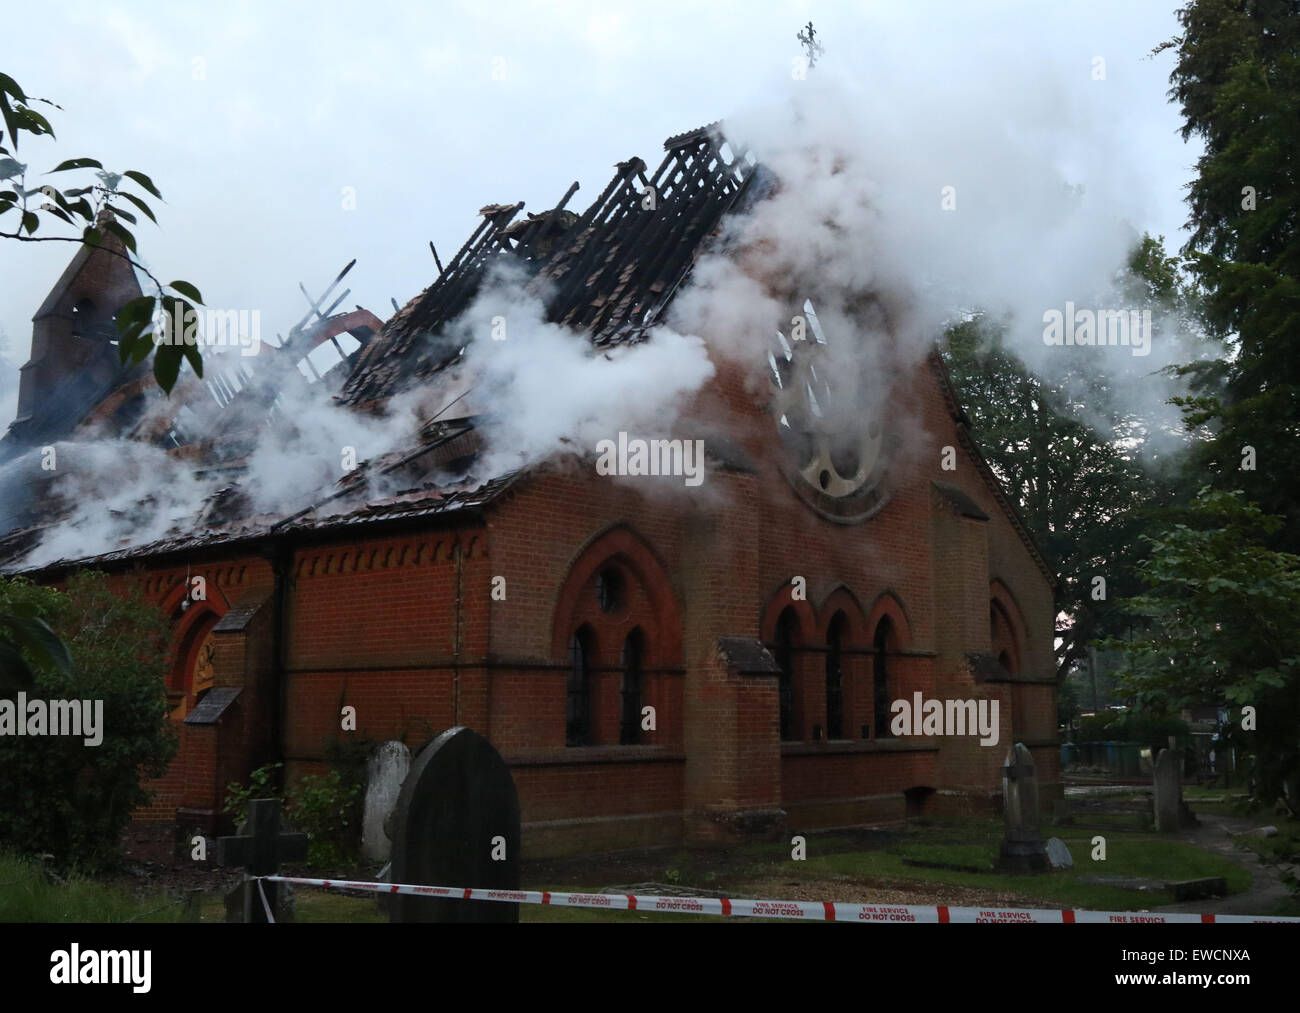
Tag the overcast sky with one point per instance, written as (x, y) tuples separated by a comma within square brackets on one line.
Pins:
[(253, 118)]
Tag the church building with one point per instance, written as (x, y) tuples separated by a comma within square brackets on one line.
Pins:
[(805, 638)]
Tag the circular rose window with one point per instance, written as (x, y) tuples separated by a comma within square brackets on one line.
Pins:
[(834, 449)]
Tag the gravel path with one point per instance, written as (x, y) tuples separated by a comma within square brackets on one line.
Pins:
[(1266, 890)]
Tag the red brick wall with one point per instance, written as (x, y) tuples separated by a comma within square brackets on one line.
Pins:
[(404, 628)]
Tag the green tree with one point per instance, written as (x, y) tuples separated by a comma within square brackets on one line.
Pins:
[(1237, 82), (1222, 610), (59, 795), (84, 208), (1070, 451)]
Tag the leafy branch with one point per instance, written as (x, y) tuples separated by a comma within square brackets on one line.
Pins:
[(98, 210)]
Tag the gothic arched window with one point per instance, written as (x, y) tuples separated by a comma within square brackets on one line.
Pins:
[(784, 652), (835, 677), (880, 682), (632, 663), (577, 730)]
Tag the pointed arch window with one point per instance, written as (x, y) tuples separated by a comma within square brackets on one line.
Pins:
[(880, 682), (1002, 637), (784, 653), (578, 723), (835, 677), (633, 662)]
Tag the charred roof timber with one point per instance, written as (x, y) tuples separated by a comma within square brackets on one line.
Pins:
[(609, 271)]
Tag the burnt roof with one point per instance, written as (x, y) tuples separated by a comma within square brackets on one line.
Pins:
[(609, 272), (423, 505)]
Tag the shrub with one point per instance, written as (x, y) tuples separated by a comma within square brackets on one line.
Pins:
[(323, 806), (58, 795)]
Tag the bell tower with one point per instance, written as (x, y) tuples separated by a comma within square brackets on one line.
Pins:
[(74, 359)]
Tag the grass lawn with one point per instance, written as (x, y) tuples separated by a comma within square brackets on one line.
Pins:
[(1137, 856), (847, 866), (27, 895), (838, 860), (1287, 841)]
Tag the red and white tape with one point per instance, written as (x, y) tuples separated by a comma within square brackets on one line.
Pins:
[(819, 911)]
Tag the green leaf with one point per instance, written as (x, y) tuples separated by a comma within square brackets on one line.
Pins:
[(7, 113), (30, 222), (195, 358), (122, 233), (32, 121), (188, 290), (91, 236), (138, 310), (76, 163), (9, 85), (138, 203), (144, 181), (167, 365), (135, 346), (119, 213), (33, 635)]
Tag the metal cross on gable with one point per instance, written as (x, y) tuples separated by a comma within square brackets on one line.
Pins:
[(260, 849), (812, 48)]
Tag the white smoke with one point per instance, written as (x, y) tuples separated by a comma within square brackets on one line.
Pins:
[(546, 392), (314, 442), (119, 492), (942, 204), (863, 206)]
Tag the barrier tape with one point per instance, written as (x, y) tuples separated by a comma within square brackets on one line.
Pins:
[(265, 906), (821, 911)]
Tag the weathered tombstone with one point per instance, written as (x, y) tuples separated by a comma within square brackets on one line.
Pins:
[(260, 850), (1168, 784), (385, 771), (1022, 847), (1058, 854), (456, 824)]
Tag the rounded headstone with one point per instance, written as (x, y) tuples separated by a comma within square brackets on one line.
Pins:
[(456, 824)]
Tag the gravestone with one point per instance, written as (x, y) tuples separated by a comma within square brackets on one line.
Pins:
[(456, 824), (385, 771), (1167, 780), (1022, 847), (260, 849), (1058, 854)]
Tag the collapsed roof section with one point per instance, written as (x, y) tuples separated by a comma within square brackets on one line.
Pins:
[(609, 272)]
